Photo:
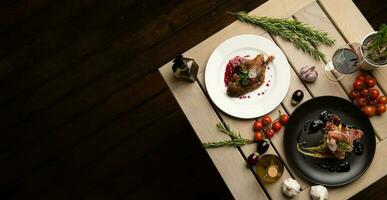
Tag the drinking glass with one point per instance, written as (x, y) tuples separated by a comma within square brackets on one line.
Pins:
[(345, 60)]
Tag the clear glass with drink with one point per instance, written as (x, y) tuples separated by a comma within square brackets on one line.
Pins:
[(345, 60)]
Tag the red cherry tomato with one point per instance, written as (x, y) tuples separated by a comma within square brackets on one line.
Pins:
[(284, 119), (269, 133), (354, 94), (382, 100), (358, 85), (364, 93), (266, 120), (369, 111), (258, 136), (380, 108), (374, 93), (276, 126), (361, 101), (361, 77), (370, 82), (257, 125)]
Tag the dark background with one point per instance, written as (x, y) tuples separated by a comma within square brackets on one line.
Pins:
[(86, 115)]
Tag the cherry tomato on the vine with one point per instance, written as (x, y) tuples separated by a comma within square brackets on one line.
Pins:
[(269, 133), (361, 77), (284, 119), (266, 120), (258, 125), (380, 108), (369, 111), (354, 94), (361, 101), (276, 126), (370, 82), (358, 85), (382, 100), (364, 93), (258, 136), (373, 93)]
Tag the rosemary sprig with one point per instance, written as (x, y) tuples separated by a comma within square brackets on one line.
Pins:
[(236, 138), (301, 35)]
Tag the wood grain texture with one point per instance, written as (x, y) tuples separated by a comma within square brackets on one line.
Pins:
[(297, 60), (345, 22), (315, 16), (244, 127), (78, 83), (202, 51), (68, 130), (229, 162)]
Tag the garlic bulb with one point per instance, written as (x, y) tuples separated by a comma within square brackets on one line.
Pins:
[(319, 192), (308, 74), (290, 187)]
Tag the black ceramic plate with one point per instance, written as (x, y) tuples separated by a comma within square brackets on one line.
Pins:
[(309, 167)]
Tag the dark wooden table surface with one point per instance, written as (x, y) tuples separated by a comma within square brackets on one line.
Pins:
[(84, 112)]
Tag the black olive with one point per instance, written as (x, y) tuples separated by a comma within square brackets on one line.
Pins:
[(262, 146), (325, 116), (358, 148), (343, 167), (315, 126), (252, 159), (297, 97)]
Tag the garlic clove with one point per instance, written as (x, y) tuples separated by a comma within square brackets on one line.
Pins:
[(308, 74)]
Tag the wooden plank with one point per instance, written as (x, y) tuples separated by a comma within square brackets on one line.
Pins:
[(59, 140), (64, 46), (245, 129), (179, 149), (273, 8), (102, 154), (98, 91), (229, 162), (31, 25), (376, 171), (19, 11), (277, 140), (101, 64), (314, 16), (346, 21), (287, 107), (202, 51), (204, 48), (322, 86), (98, 117), (174, 184)]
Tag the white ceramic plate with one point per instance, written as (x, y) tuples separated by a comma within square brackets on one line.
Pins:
[(255, 103)]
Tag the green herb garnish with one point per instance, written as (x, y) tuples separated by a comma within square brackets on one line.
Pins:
[(380, 38), (243, 75), (375, 48), (236, 138), (301, 35), (344, 146)]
